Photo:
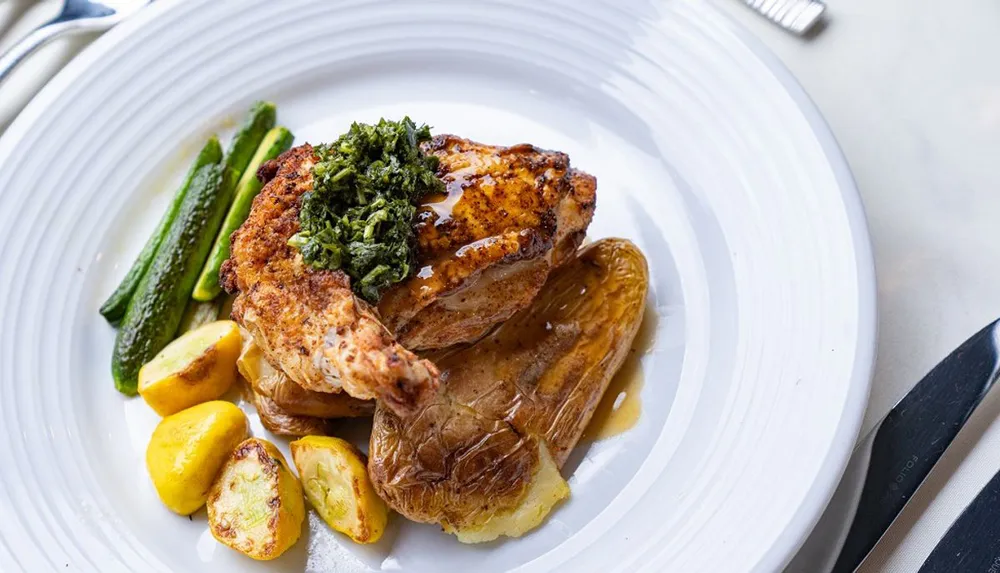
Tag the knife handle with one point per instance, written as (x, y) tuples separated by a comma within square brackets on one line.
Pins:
[(913, 436), (796, 16)]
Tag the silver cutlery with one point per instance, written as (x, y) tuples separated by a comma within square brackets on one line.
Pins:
[(796, 16), (76, 16), (892, 461), (972, 543)]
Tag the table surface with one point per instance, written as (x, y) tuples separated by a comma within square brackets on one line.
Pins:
[(912, 92)]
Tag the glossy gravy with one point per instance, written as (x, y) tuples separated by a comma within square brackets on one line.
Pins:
[(621, 406), (443, 204)]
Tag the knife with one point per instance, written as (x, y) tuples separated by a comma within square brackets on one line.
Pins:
[(892, 461), (973, 541)]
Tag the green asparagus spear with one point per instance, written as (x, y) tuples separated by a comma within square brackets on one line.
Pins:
[(274, 144)]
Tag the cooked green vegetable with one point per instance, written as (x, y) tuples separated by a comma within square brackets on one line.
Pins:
[(157, 306), (199, 314), (261, 119), (113, 309), (276, 142), (359, 215)]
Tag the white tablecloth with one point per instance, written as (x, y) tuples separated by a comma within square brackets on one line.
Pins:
[(912, 92)]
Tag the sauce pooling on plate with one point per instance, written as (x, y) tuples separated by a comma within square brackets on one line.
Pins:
[(621, 406)]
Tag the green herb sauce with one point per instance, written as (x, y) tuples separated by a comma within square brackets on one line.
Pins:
[(359, 215)]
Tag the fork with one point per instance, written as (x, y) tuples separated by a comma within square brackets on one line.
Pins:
[(796, 16), (76, 16)]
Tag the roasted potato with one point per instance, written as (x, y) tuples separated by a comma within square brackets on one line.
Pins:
[(187, 450), (481, 457), (546, 488), (336, 483), (255, 505), (197, 367), (291, 399), (280, 422)]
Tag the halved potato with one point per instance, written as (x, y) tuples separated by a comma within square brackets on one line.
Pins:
[(197, 367), (279, 422), (188, 448), (255, 505), (336, 483), (546, 488)]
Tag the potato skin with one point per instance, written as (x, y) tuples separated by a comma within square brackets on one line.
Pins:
[(336, 484), (187, 450), (473, 452), (279, 422), (546, 489), (545, 370), (255, 505)]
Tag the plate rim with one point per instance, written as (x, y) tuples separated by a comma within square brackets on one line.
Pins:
[(849, 425), (846, 436)]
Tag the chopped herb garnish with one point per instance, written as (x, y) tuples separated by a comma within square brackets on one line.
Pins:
[(359, 215)]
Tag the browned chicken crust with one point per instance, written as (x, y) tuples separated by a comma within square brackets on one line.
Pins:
[(486, 246), (308, 321), (471, 452), (290, 398)]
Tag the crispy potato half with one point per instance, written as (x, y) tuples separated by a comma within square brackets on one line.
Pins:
[(336, 483), (546, 489), (197, 367), (279, 422), (482, 457), (255, 505), (187, 450)]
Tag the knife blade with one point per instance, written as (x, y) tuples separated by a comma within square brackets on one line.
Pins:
[(896, 456), (972, 543)]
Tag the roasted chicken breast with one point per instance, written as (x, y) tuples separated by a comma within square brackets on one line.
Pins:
[(482, 456), (486, 245), (485, 248), (307, 321)]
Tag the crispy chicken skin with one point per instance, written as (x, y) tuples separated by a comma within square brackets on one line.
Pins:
[(471, 456), (290, 397), (484, 247), (308, 321)]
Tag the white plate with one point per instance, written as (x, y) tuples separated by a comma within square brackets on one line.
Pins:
[(707, 153)]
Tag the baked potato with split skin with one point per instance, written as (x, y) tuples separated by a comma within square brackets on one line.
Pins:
[(479, 457), (545, 489), (255, 505)]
